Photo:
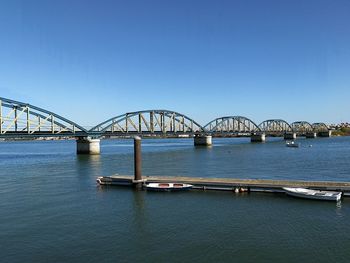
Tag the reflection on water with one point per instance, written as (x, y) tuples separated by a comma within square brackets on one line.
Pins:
[(92, 160), (339, 208), (88, 164)]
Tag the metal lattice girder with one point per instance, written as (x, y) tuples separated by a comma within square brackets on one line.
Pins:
[(302, 126), (149, 122), (275, 126), (232, 124), (320, 127), (22, 119), (18, 118)]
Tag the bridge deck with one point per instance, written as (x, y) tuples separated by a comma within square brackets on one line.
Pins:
[(230, 184)]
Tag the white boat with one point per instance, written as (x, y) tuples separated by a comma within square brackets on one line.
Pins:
[(168, 186), (292, 144), (313, 194)]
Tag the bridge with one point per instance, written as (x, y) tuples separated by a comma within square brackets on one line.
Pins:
[(23, 120)]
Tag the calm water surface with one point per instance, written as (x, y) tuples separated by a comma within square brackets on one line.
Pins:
[(51, 209)]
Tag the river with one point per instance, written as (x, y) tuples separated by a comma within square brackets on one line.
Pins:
[(51, 209)]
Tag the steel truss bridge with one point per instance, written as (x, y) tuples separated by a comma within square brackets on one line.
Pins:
[(20, 120)]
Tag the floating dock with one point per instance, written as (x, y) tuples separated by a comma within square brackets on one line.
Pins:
[(218, 184), (228, 184)]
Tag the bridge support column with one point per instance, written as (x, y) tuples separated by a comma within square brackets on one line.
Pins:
[(258, 137), (311, 135), (290, 136), (87, 145), (203, 140), (325, 134)]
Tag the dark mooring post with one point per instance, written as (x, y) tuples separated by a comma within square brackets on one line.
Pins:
[(137, 163)]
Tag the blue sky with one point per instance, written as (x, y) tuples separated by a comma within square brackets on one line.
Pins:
[(92, 60)]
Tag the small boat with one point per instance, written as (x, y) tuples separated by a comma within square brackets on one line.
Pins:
[(292, 144), (313, 194), (99, 180), (168, 186), (241, 190), (113, 180)]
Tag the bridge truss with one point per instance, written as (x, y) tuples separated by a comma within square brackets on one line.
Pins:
[(320, 127), (18, 119), (149, 122), (232, 125), (275, 127), (302, 127)]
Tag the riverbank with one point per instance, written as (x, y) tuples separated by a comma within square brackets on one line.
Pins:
[(341, 132)]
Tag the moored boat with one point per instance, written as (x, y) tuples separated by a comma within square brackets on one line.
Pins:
[(168, 186), (112, 180), (313, 194)]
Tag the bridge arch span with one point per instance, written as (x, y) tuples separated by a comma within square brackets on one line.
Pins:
[(302, 127), (149, 122), (320, 127), (232, 125), (275, 127), (22, 119)]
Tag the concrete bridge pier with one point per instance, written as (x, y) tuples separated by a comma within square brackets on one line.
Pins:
[(325, 134), (311, 135), (203, 140), (290, 136), (258, 137), (87, 145)]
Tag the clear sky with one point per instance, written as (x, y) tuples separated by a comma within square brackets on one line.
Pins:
[(92, 60)]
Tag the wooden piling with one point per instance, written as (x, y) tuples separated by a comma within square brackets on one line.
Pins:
[(137, 163)]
